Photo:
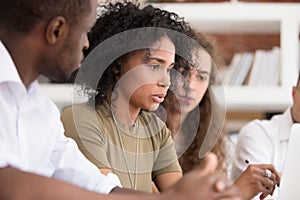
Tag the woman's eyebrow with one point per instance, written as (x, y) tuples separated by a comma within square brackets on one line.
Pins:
[(161, 61), (202, 71)]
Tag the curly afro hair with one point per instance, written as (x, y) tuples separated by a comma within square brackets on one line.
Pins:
[(122, 16), (127, 26)]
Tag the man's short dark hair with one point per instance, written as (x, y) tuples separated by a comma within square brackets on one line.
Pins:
[(21, 16)]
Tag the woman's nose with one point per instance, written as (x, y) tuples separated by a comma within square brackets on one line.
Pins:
[(165, 79)]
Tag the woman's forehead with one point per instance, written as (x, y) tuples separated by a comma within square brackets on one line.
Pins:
[(201, 61), (164, 43)]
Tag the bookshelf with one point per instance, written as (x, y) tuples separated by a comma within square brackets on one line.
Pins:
[(241, 18)]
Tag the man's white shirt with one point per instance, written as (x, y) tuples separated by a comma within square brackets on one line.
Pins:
[(263, 142), (32, 135)]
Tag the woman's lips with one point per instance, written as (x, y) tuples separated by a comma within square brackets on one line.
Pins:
[(184, 100), (159, 98)]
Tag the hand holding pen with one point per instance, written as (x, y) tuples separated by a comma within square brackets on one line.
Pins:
[(253, 181)]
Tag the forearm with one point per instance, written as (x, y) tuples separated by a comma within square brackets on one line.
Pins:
[(166, 180), (16, 185), (132, 194)]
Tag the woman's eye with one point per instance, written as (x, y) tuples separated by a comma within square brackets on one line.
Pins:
[(154, 66), (202, 78)]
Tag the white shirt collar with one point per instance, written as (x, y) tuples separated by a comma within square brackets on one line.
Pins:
[(286, 122)]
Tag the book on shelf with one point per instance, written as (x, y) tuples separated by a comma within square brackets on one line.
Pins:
[(229, 71), (260, 68), (266, 68), (243, 69)]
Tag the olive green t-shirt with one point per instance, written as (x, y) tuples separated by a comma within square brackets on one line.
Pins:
[(137, 154)]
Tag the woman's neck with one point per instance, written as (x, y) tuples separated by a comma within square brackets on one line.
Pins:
[(126, 113)]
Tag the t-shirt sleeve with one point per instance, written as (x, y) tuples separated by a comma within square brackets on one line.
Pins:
[(81, 124), (167, 159)]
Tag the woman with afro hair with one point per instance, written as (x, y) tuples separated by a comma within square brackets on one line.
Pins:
[(126, 75)]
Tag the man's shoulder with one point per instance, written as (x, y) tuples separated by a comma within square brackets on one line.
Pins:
[(259, 127)]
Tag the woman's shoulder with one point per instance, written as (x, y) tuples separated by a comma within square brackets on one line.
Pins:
[(81, 107)]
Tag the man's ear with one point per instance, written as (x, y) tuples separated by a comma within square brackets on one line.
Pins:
[(56, 30)]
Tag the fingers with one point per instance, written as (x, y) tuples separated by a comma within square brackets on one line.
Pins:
[(263, 195), (275, 175), (212, 186), (218, 184), (268, 181), (222, 184), (231, 193), (254, 181), (217, 180), (210, 164), (223, 188), (268, 184)]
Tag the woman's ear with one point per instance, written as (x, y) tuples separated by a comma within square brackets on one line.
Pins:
[(56, 30)]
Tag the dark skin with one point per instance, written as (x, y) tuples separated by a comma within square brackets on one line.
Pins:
[(208, 186), (253, 181), (37, 47), (24, 62), (44, 187), (55, 49)]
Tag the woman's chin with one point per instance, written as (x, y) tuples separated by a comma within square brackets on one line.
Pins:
[(153, 107)]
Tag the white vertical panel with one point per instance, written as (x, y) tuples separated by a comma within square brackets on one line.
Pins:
[(289, 50)]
